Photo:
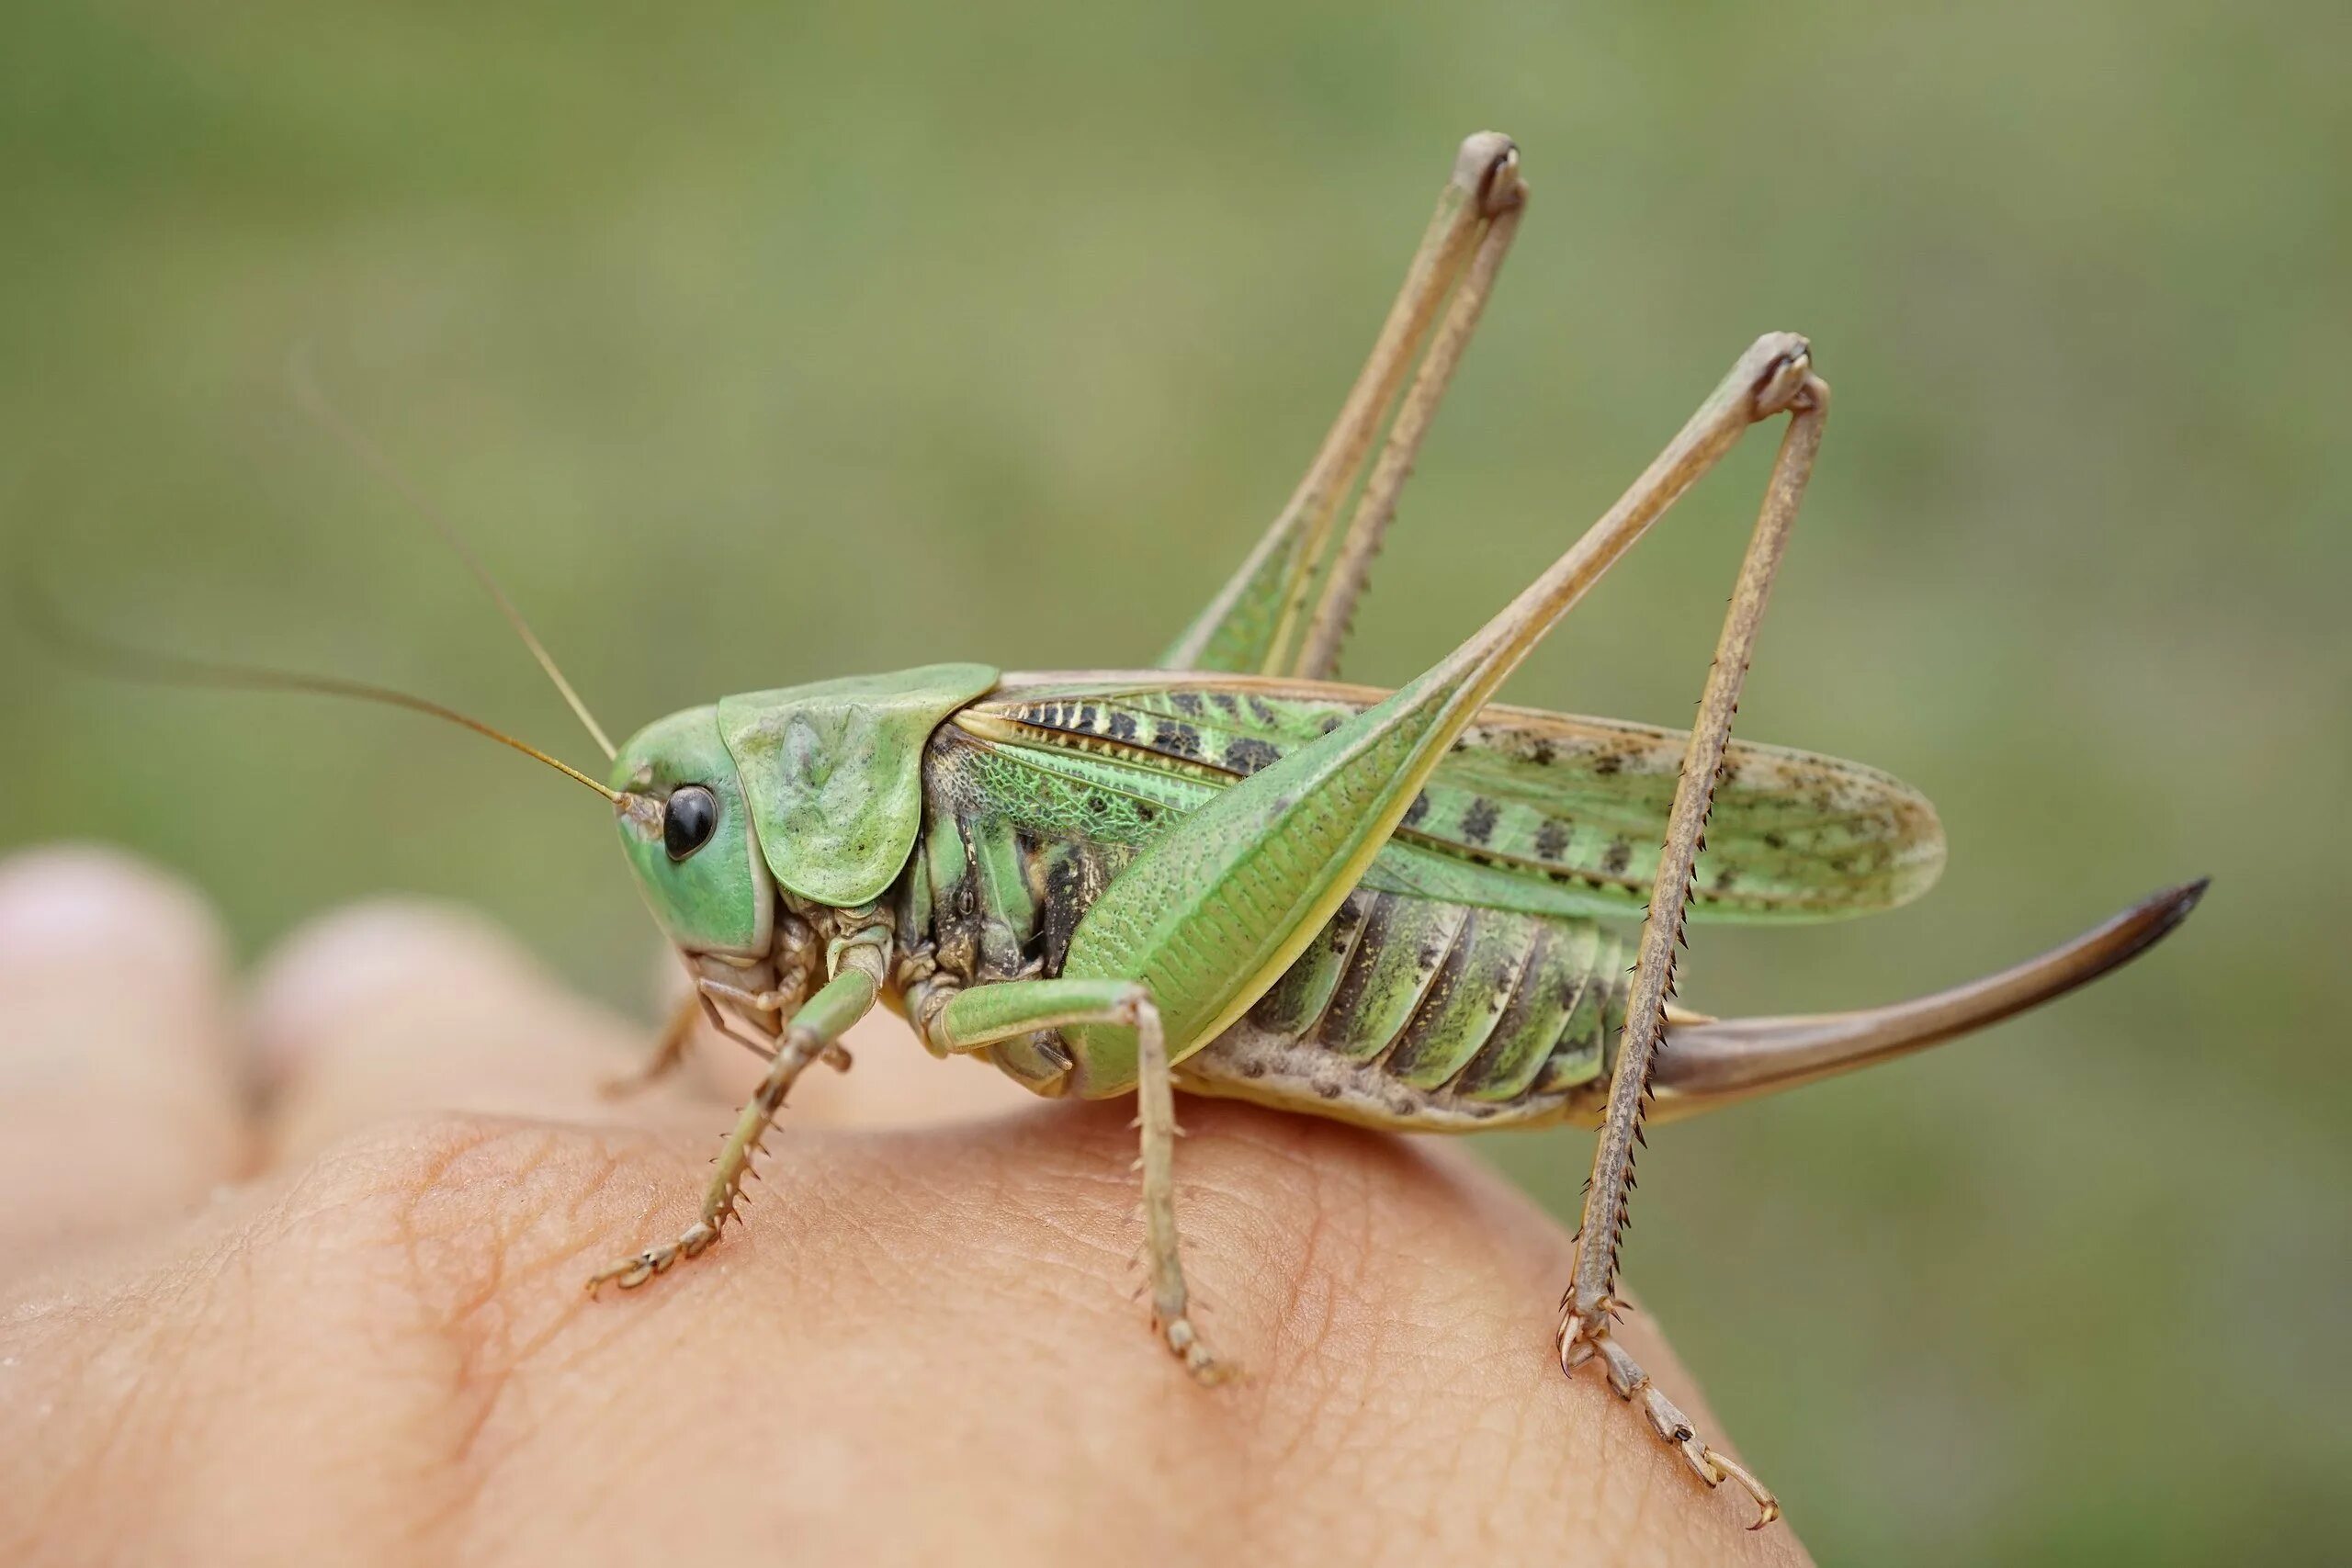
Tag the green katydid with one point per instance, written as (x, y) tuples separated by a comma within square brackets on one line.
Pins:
[(1411, 909)]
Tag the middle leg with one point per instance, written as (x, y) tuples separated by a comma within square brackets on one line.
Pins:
[(985, 1015)]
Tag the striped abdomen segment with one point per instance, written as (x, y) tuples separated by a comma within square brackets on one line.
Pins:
[(1424, 1001), (1489, 1005)]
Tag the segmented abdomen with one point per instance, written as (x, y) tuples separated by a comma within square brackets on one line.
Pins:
[(1482, 1005), (1405, 1009)]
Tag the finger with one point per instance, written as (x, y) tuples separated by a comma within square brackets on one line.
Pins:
[(120, 1096), (392, 1010)]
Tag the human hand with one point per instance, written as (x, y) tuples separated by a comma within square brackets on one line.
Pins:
[(297, 1278)]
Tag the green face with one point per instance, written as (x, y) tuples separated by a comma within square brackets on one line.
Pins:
[(688, 835)]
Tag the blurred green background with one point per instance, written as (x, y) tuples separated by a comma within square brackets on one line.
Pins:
[(754, 345)]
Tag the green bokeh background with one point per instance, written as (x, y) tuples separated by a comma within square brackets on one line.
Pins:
[(755, 346)]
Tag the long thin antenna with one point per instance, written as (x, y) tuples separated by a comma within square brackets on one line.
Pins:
[(107, 657), (314, 403)]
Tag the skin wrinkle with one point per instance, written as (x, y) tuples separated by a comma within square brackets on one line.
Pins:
[(818, 1171), (98, 1458), (411, 1164), (813, 1165), (1097, 1163), (1205, 1205), (1208, 1196), (1418, 1497), (1608, 1475), (1302, 1450), (153, 1397), (892, 1242), (497, 1352), (1084, 1227), (1343, 1222), (129, 1345), (1472, 1486), (588, 1243), (1397, 1483), (1339, 1224), (494, 1352), (399, 1176), (940, 1208), (816, 1210), (1508, 1428)]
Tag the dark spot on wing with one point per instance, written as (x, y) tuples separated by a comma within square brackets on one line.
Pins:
[(1122, 726), (1418, 810), (1177, 740), (1552, 839), (1608, 763), (1186, 703), (1478, 821), (1617, 857), (1248, 755)]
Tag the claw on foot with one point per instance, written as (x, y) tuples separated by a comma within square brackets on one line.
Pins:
[(1581, 1333), (1193, 1350), (1767, 1508), (1584, 1335), (631, 1272)]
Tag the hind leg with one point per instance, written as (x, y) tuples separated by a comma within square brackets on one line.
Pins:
[(1588, 1312), (1285, 610)]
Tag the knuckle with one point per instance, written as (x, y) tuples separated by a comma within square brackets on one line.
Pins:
[(477, 1224), (353, 960)]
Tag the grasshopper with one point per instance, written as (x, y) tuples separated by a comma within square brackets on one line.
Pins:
[(1411, 909)]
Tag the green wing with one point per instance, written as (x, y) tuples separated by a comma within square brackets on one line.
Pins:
[(1541, 812)]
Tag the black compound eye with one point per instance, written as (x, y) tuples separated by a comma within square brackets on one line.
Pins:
[(688, 820)]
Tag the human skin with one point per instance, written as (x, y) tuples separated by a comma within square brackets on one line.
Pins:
[(290, 1272)]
